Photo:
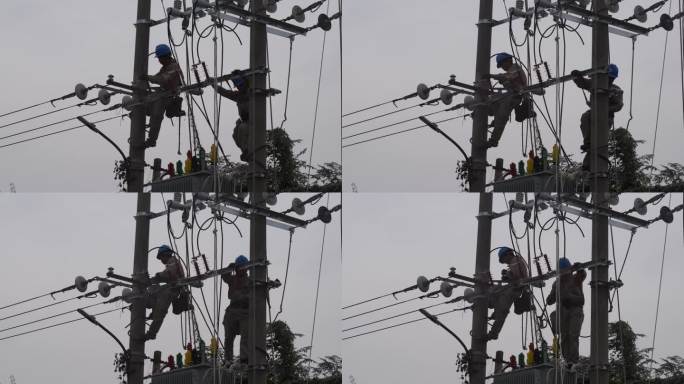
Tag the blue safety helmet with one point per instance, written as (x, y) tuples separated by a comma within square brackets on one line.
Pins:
[(501, 57), (503, 251), (162, 50), (241, 260), (564, 263), (163, 250), (613, 71)]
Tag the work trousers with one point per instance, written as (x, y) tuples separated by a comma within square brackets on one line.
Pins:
[(501, 110), (159, 300), (501, 302), (241, 138), (235, 323), (156, 110), (585, 127), (571, 319)]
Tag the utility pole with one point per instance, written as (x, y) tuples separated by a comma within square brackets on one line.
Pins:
[(599, 166), (136, 362), (257, 185), (478, 157), (136, 171), (478, 344)]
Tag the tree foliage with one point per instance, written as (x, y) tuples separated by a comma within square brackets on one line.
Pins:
[(290, 365)]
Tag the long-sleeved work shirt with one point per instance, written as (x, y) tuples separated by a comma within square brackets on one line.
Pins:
[(173, 271), (169, 77), (241, 98), (571, 294), (514, 79), (238, 289), (615, 94)]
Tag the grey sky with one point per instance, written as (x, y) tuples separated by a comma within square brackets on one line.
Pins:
[(391, 239), (48, 239), (56, 45), (417, 42)]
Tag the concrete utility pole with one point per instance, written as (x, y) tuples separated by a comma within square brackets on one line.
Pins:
[(136, 363), (257, 185), (599, 166), (136, 171), (478, 151), (478, 344)]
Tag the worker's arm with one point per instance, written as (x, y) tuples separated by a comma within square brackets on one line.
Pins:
[(232, 95), (579, 80), (551, 298), (228, 277)]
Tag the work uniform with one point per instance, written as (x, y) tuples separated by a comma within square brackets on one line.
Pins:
[(169, 78), (514, 81), (160, 297), (571, 316), (502, 300), (241, 130), (235, 318), (615, 104)]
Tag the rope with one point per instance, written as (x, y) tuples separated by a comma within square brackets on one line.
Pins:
[(660, 286), (287, 270), (660, 94), (318, 93), (318, 283)]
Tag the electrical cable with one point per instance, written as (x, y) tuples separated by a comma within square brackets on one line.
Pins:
[(384, 307), (88, 102)]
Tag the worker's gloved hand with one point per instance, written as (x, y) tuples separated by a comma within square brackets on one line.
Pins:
[(576, 73), (144, 77), (504, 275), (231, 265), (487, 76)]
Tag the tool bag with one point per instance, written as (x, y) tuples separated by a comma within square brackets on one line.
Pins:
[(525, 110), (523, 303), (182, 302), (174, 107)]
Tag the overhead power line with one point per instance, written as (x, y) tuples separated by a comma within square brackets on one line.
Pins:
[(87, 102), (400, 324), (393, 124), (62, 323), (60, 314), (398, 132), (57, 122), (58, 132), (395, 316)]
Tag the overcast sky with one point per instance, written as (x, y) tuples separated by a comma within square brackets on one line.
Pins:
[(391, 239), (48, 239), (56, 45), (417, 42)]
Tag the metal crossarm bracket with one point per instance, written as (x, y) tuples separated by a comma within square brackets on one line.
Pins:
[(273, 218), (274, 26)]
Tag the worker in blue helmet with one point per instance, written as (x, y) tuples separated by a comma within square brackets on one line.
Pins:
[(566, 320), (160, 296), (615, 104), (240, 96), (503, 299), (166, 99), (235, 320), (513, 80)]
